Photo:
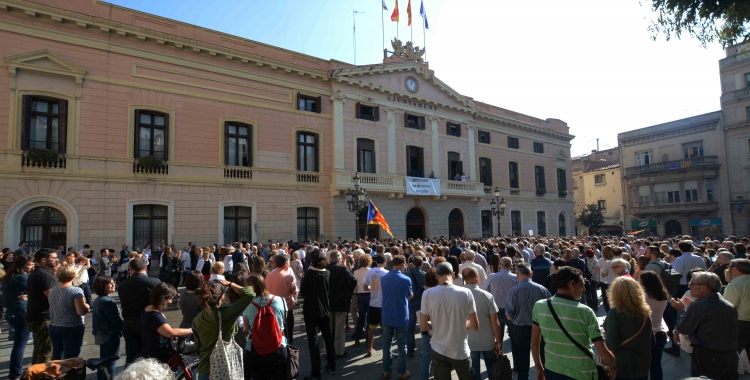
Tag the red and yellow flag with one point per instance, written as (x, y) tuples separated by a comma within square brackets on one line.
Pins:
[(375, 217), (394, 15), (408, 12)]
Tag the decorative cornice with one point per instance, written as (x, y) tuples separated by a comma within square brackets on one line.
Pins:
[(709, 125), (95, 24)]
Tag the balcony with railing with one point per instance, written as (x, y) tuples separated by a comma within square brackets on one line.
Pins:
[(308, 177), (43, 159), (460, 188), (684, 164), (665, 206), (238, 173)]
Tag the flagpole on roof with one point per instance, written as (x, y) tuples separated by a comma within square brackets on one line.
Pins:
[(382, 24)]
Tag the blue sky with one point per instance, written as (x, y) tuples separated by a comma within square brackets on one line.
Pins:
[(591, 63)]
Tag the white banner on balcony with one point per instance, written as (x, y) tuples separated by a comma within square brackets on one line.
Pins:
[(422, 186)]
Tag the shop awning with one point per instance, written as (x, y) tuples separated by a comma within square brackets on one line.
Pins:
[(705, 222), (643, 223)]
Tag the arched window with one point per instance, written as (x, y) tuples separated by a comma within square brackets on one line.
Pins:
[(44, 227), (455, 223)]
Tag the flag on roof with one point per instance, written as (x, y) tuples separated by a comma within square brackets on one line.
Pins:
[(394, 15), (384, 7), (375, 217), (408, 12), (424, 14)]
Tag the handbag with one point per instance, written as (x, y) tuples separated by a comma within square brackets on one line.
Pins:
[(501, 369), (292, 362), (626, 341), (602, 371), (226, 359)]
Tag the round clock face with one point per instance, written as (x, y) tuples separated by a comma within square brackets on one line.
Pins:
[(411, 84)]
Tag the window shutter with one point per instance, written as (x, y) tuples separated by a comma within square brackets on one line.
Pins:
[(299, 168), (460, 167), (408, 161), (359, 148), (376, 113), (62, 123), (357, 112), (317, 153), (136, 133), (421, 122), (319, 107), (447, 128), (489, 172), (250, 145), (421, 161), (26, 122), (298, 97), (226, 142), (458, 126), (166, 137), (406, 120)]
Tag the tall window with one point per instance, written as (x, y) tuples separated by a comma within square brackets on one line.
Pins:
[(538, 147), (365, 156), (415, 161), (455, 166), (515, 222), (600, 179), (561, 230), (237, 224), (238, 144), (485, 171), (486, 223), (307, 224), (709, 185), (483, 137), (645, 157), (644, 195), (541, 223), (513, 142), (307, 152), (513, 174), (539, 178), (691, 191), (366, 112), (308, 103), (44, 123), (414, 121), (151, 134), (694, 149), (453, 129), (149, 226), (601, 205), (562, 180)]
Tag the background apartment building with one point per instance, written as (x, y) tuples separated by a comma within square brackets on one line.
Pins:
[(120, 127), (597, 180), (674, 178)]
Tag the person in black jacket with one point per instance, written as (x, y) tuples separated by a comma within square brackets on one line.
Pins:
[(316, 312), (342, 285), (135, 293)]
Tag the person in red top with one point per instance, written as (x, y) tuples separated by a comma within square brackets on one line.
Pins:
[(282, 283)]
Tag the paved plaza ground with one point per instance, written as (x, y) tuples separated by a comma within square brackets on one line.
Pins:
[(355, 365)]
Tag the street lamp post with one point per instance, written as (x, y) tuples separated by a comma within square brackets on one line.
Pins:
[(358, 200), (498, 207)]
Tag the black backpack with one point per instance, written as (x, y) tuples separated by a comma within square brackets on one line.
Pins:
[(670, 277)]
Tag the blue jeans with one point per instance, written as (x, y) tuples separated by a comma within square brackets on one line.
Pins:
[(363, 305), (656, 353), (388, 334), (489, 358), (520, 343), (424, 373), (109, 348), (20, 339), (66, 341), (411, 342)]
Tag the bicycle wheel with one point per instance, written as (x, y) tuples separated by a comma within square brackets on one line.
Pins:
[(191, 367)]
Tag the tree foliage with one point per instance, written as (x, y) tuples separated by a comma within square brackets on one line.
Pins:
[(591, 217), (708, 21)]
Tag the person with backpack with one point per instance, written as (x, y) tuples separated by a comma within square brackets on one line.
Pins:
[(416, 275), (265, 352)]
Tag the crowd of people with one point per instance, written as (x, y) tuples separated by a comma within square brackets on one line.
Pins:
[(459, 295)]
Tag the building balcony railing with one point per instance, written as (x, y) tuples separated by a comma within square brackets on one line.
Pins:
[(31, 160), (600, 183), (238, 173), (742, 94), (679, 207), (460, 188), (687, 163), (162, 169), (308, 177)]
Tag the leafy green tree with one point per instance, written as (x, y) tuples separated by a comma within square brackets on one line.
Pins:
[(707, 21), (591, 217)]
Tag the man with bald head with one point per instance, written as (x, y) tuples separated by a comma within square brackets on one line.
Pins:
[(468, 257)]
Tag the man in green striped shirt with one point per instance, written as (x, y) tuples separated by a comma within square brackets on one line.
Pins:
[(563, 359)]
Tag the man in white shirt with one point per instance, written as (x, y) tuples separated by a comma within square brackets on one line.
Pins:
[(470, 255), (374, 313), (444, 311)]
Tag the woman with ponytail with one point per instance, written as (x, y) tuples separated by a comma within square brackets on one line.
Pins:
[(211, 297)]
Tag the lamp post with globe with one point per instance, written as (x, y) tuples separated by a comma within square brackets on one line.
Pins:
[(358, 201), (498, 207)]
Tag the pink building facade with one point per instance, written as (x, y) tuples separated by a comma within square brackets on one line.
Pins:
[(119, 127)]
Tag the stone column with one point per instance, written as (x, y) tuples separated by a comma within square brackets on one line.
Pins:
[(391, 116), (472, 155), (338, 132), (435, 146)]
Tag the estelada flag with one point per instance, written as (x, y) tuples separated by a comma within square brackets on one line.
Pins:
[(408, 12), (394, 15), (375, 217)]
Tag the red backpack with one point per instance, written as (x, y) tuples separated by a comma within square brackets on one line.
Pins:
[(266, 333)]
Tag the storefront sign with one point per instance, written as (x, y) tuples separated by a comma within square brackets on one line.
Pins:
[(643, 224), (422, 186), (705, 222)]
